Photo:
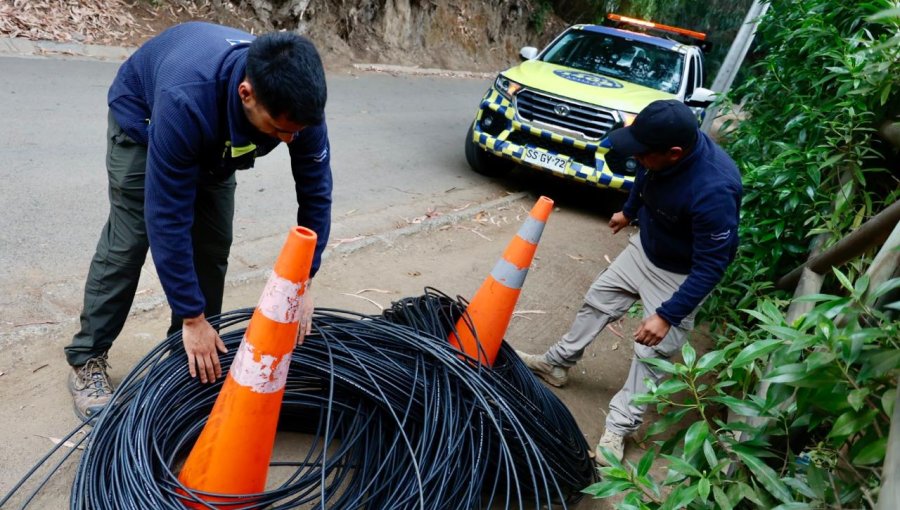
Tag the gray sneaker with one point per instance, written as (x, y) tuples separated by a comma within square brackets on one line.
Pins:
[(554, 375), (612, 442), (90, 387)]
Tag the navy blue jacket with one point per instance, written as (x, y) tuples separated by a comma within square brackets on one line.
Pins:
[(688, 219), (178, 94)]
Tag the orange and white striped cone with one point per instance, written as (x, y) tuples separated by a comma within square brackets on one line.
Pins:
[(492, 307), (232, 454)]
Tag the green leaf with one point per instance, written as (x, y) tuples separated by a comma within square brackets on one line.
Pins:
[(670, 386), (695, 436), (607, 488), (703, 489), (857, 398), (680, 497), (710, 454), (680, 465), (862, 284), (851, 423), (799, 486), (646, 462), (664, 423), (688, 354), (886, 361), (788, 373), (722, 500), (709, 361), (749, 493), (873, 453), (886, 14), (766, 476), (741, 407), (661, 364), (885, 287), (754, 351), (845, 282), (887, 401)]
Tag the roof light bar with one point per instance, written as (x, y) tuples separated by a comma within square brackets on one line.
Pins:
[(656, 26)]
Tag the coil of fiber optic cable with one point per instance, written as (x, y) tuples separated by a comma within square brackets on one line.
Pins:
[(397, 419)]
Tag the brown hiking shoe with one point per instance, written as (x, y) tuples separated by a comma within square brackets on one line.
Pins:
[(90, 387), (554, 375)]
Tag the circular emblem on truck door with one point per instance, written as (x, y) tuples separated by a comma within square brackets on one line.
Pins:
[(561, 109)]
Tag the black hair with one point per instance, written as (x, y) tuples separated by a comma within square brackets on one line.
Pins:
[(287, 77)]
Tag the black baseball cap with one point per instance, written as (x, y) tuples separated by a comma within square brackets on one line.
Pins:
[(661, 125)]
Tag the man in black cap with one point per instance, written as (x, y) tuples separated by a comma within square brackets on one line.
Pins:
[(686, 196)]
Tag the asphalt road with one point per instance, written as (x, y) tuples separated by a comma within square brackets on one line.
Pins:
[(396, 155)]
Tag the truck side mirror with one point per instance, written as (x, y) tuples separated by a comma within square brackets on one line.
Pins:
[(700, 98), (528, 53)]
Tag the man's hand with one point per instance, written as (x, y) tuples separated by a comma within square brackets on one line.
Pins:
[(200, 344), (618, 222), (306, 311), (653, 329)]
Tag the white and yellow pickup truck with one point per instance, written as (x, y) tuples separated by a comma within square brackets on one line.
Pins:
[(552, 111)]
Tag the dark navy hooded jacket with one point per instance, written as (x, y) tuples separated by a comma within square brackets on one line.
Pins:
[(178, 95), (688, 221)]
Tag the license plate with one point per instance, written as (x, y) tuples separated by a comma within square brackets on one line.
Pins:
[(544, 160)]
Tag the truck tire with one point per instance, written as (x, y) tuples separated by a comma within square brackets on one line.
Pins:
[(483, 162)]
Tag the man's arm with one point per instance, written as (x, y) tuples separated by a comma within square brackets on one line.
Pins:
[(311, 167), (634, 201), (169, 196), (715, 241)]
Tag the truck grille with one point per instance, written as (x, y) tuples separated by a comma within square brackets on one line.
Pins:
[(591, 121)]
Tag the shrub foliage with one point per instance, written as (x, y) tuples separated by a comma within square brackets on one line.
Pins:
[(814, 169)]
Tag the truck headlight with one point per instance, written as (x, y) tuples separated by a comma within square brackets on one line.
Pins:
[(627, 118), (506, 87)]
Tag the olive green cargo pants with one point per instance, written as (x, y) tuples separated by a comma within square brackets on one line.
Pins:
[(116, 266)]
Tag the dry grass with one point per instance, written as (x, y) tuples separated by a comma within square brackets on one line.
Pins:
[(109, 22), (87, 21)]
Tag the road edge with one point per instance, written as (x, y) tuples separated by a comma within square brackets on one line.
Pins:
[(143, 304)]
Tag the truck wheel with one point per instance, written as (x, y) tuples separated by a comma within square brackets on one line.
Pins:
[(483, 162)]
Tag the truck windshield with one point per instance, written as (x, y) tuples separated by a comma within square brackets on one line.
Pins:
[(619, 57)]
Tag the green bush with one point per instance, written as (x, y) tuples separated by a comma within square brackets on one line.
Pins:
[(813, 168), (819, 436)]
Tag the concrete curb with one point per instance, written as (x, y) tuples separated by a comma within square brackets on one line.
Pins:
[(19, 47), (422, 71), (151, 302)]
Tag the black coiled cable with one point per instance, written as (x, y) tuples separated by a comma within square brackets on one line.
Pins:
[(398, 419)]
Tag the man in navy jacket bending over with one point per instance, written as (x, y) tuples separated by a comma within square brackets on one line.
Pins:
[(686, 196), (189, 108)]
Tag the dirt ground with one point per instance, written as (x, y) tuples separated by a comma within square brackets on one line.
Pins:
[(576, 245)]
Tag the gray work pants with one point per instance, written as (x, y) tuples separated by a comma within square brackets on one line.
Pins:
[(116, 266), (630, 277)]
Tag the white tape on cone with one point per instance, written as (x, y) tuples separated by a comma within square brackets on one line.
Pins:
[(280, 300), (266, 375)]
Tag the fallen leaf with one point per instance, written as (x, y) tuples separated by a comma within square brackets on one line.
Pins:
[(615, 346), (347, 240), (616, 329), (67, 444), (380, 308), (606, 257), (579, 258), (40, 367), (380, 291)]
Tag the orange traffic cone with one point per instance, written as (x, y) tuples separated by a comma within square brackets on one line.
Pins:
[(491, 309), (232, 454)]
